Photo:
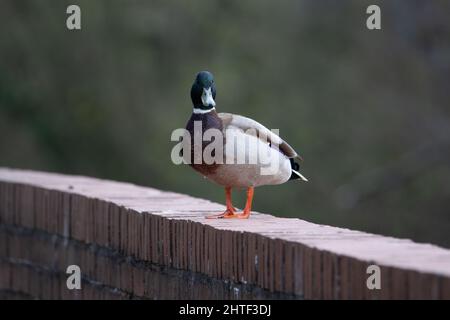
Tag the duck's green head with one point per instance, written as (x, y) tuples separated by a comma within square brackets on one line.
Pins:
[(203, 92)]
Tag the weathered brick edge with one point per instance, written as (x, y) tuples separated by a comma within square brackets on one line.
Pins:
[(165, 229)]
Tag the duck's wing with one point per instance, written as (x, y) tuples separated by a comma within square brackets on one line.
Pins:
[(244, 123)]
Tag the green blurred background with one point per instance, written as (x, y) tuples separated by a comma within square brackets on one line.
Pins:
[(368, 110)]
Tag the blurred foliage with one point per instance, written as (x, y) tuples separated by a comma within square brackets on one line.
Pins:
[(368, 110)]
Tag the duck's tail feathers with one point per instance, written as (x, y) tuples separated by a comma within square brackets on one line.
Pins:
[(297, 175)]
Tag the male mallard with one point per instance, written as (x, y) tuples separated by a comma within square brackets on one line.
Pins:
[(233, 172)]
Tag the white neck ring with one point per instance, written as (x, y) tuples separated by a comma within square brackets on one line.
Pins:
[(202, 111)]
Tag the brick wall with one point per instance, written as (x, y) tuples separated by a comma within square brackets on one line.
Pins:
[(136, 242)]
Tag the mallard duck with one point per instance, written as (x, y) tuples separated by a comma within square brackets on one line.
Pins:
[(232, 172)]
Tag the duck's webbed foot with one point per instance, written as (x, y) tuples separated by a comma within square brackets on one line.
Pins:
[(230, 213)]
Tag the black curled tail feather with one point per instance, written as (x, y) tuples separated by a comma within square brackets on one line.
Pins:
[(294, 166)]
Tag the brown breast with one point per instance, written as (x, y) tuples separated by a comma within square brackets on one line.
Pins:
[(208, 120)]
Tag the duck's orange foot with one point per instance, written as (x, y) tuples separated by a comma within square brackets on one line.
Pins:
[(230, 215), (243, 215), (227, 214)]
